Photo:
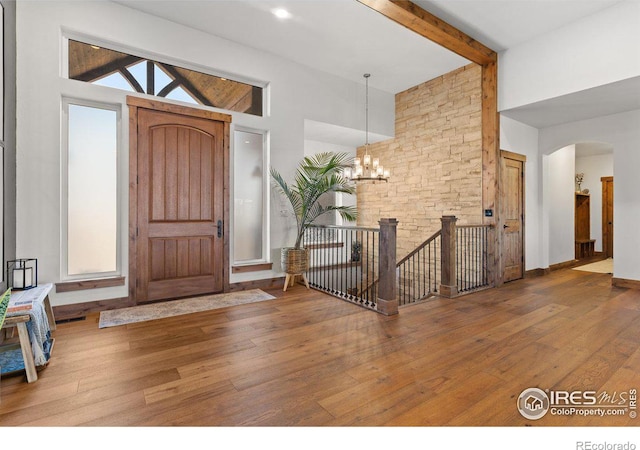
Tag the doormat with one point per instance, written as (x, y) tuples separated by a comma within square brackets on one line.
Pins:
[(143, 313), (605, 266)]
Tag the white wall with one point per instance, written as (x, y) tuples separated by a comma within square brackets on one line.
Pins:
[(596, 50), (623, 132), (312, 147), (519, 138), (594, 167), (559, 199), (295, 93)]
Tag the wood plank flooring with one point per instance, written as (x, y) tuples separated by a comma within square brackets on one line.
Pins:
[(307, 359)]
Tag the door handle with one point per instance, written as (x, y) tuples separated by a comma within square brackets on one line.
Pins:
[(219, 228), (505, 226)]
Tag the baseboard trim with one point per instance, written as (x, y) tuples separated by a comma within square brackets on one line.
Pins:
[(268, 283), (539, 272), (565, 265), (624, 283), (78, 310)]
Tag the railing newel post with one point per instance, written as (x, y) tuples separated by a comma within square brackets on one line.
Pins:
[(448, 283), (387, 300)]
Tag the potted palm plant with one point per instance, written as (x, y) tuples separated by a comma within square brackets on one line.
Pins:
[(316, 175)]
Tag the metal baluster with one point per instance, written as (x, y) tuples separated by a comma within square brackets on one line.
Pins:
[(468, 261), (402, 274), (435, 266), (470, 258), (484, 256), (332, 254), (459, 258), (374, 270), (342, 259), (416, 276), (477, 231)]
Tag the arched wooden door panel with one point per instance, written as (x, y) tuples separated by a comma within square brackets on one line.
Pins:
[(180, 206)]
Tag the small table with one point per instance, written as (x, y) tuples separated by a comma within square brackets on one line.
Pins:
[(19, 318)]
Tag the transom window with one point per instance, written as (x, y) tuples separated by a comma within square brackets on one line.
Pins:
[(105, 67)]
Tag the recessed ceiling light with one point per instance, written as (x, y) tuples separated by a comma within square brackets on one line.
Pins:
[(281, 13), (95, 47)]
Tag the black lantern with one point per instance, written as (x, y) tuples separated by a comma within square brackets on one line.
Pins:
[(22, 273)]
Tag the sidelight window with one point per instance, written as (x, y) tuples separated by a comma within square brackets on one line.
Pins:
[(90, 190)]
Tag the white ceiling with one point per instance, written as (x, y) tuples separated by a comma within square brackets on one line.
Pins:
[(347, 39), (503, 24), (341, 37), (601, 101), (593, 149)]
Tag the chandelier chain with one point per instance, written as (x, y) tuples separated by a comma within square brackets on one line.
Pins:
[(367, 168)]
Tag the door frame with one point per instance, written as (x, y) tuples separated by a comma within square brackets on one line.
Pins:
[(504, 154), (136, 103), (605, 248)]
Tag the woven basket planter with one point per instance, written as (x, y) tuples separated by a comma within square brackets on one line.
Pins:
[(294, 260)]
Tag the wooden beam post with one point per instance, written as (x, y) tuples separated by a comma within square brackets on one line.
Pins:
[(448, 284), (422, 22), (491, 167), (387, 300)]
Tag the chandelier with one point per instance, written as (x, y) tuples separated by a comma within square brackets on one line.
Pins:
[(367, 168)]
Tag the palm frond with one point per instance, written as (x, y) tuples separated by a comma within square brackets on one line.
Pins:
[(315, 176)]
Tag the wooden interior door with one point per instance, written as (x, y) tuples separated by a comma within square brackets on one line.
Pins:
[(607, 216), (511, 220), (180, 205)]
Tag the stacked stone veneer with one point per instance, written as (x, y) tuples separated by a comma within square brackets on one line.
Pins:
[(435, 159)]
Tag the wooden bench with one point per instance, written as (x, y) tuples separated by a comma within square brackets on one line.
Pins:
[(19, 320)]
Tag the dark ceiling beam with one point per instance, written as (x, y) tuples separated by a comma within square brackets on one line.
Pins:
[(113, 66), (424, 23), (168, 88), (186, 84), (131, 79)]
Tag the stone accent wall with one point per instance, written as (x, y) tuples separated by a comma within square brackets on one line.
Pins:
[(435, 160)]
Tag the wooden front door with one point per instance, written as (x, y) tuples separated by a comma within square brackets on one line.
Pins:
[(180, 239), (607, 216), (511, 220)]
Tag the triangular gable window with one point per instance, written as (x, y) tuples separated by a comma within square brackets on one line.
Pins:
[(115, 80), (106, 67), (181, 95)]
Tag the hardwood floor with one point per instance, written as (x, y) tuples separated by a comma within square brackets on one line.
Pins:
[(307, 359)]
